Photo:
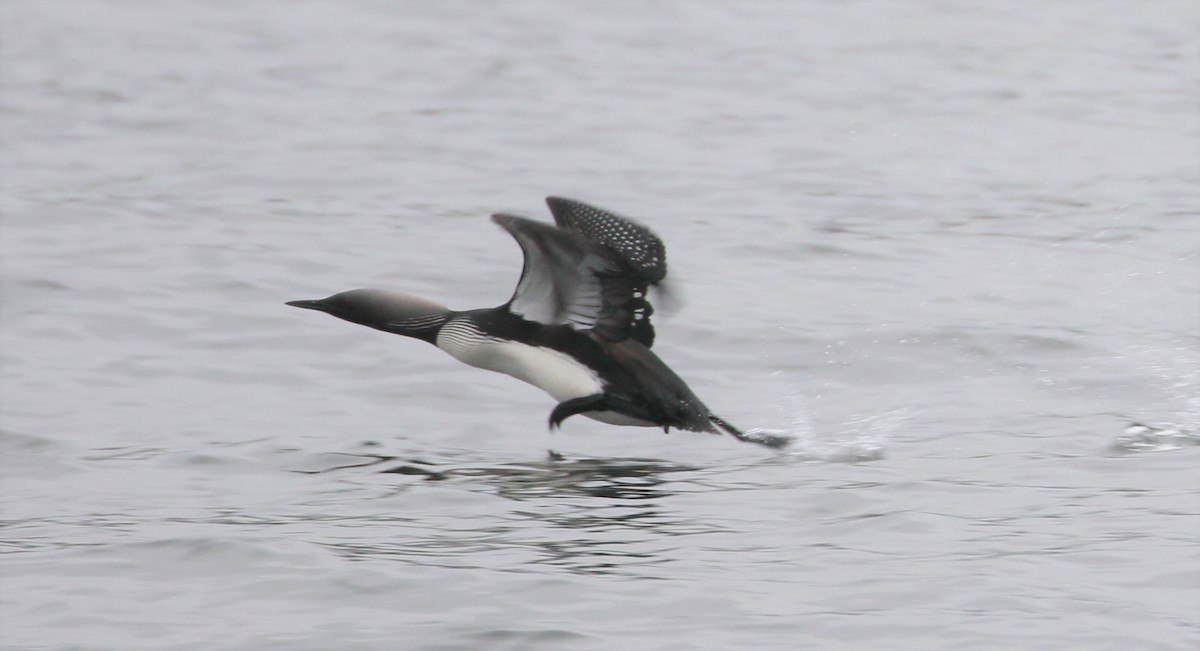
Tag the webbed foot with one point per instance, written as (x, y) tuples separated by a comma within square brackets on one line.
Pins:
[(773, 441)]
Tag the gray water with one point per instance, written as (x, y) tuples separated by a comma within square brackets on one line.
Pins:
[(950, 246)]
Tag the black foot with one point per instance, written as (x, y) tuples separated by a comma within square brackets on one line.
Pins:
[(568, 408), (773, 441)]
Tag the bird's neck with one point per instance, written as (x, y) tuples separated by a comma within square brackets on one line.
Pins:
[(425, 327)]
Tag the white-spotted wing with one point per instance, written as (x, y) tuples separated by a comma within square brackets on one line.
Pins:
[(643, 254), (572, 279), (637, 245)]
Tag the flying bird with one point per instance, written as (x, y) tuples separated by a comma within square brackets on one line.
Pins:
[(577, 326)]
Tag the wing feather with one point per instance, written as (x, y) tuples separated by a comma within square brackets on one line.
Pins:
[(569, 278), (642, 253)]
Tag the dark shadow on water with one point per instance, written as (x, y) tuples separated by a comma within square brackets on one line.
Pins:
[(626, 478), (615, 479), (580, 515)]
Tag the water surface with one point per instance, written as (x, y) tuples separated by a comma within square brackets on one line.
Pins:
[(951, 247)]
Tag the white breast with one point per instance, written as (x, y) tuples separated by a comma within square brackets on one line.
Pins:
[(556, 373)]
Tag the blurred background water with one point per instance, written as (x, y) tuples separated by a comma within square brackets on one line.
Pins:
[(951, 246)]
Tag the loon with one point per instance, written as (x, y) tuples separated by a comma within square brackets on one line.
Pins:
[(577, 326)]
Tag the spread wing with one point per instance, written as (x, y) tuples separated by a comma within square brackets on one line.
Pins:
[(638, 247), (572, 279), (641, 249)]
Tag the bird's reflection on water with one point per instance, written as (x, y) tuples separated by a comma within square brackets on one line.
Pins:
[(628, 478), (617, 479), (584, 515)]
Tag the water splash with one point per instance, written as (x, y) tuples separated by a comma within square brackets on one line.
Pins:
[(862, 438), (1177, 368), (1160, 437)]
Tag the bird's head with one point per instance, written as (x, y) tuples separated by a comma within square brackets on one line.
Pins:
[(385, 310)]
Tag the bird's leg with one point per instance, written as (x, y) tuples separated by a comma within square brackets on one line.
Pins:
[(568, 408), (730, 429)]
